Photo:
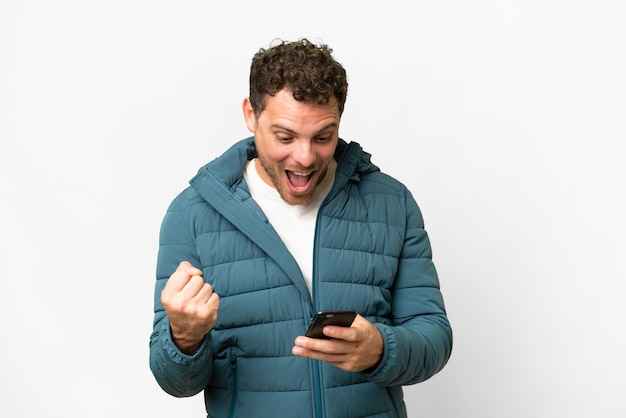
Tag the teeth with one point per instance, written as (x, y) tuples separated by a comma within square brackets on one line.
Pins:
[(295, 173)]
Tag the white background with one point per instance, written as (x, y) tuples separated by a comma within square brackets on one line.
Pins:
[(505, 118)]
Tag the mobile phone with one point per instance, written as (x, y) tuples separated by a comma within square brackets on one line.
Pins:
[(341, 318)]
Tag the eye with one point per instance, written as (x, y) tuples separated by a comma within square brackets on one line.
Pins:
[(323, 138), (281, 138)]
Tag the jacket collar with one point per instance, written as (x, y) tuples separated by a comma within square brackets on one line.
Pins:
[(352, 163)]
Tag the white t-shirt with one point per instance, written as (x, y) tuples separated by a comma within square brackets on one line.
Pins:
[(295, 224)]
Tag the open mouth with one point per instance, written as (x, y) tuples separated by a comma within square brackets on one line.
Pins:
[(299, 182)]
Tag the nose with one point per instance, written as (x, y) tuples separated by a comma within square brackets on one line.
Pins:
[(304, 153)]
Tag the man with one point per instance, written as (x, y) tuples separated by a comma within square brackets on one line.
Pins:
[(286, 223)]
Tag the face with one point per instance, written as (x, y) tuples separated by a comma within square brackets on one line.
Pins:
[(295, 142)]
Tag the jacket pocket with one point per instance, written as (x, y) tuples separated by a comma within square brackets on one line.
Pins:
[(233, 367)]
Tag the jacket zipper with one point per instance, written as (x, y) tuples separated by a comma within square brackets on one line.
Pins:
[(317, 378), (317, 390), (233, 366), (317, 367)]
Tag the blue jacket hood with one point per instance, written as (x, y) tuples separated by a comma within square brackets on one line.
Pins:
[(352, 162)]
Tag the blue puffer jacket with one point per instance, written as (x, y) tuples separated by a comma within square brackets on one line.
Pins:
[(371, 254)]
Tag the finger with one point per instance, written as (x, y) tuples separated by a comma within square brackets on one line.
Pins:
[(194, 285), (204, 293), (342, 333), (322, 346), (208, 311), (181, 276), (176, 282), (354, 333), (214, 300), (330, 357), (189, 268)]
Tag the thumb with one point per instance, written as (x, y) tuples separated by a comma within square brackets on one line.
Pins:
[(187, 267)]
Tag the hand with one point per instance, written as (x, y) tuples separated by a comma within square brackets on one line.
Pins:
[(353, 349), (191, 306)]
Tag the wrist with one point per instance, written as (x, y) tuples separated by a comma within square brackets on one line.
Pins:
[(186, 346), (186, 343)]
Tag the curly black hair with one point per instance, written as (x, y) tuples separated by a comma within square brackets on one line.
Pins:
[(308, 70)]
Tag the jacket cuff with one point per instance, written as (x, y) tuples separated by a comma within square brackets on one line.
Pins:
[(198, 359)]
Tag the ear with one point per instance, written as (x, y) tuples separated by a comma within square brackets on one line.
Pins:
[(248, 114)]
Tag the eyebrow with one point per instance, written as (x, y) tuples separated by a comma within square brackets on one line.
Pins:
[(332, 125)]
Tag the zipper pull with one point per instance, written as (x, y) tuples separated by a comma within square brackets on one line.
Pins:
[(233, 358)]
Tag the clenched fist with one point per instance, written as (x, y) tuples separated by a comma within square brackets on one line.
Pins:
[(191, 306)]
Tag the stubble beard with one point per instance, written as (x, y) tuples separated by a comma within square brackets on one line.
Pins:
[(286, 195)]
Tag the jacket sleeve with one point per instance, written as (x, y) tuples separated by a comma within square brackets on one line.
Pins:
[(177, 373), (418, 343)]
